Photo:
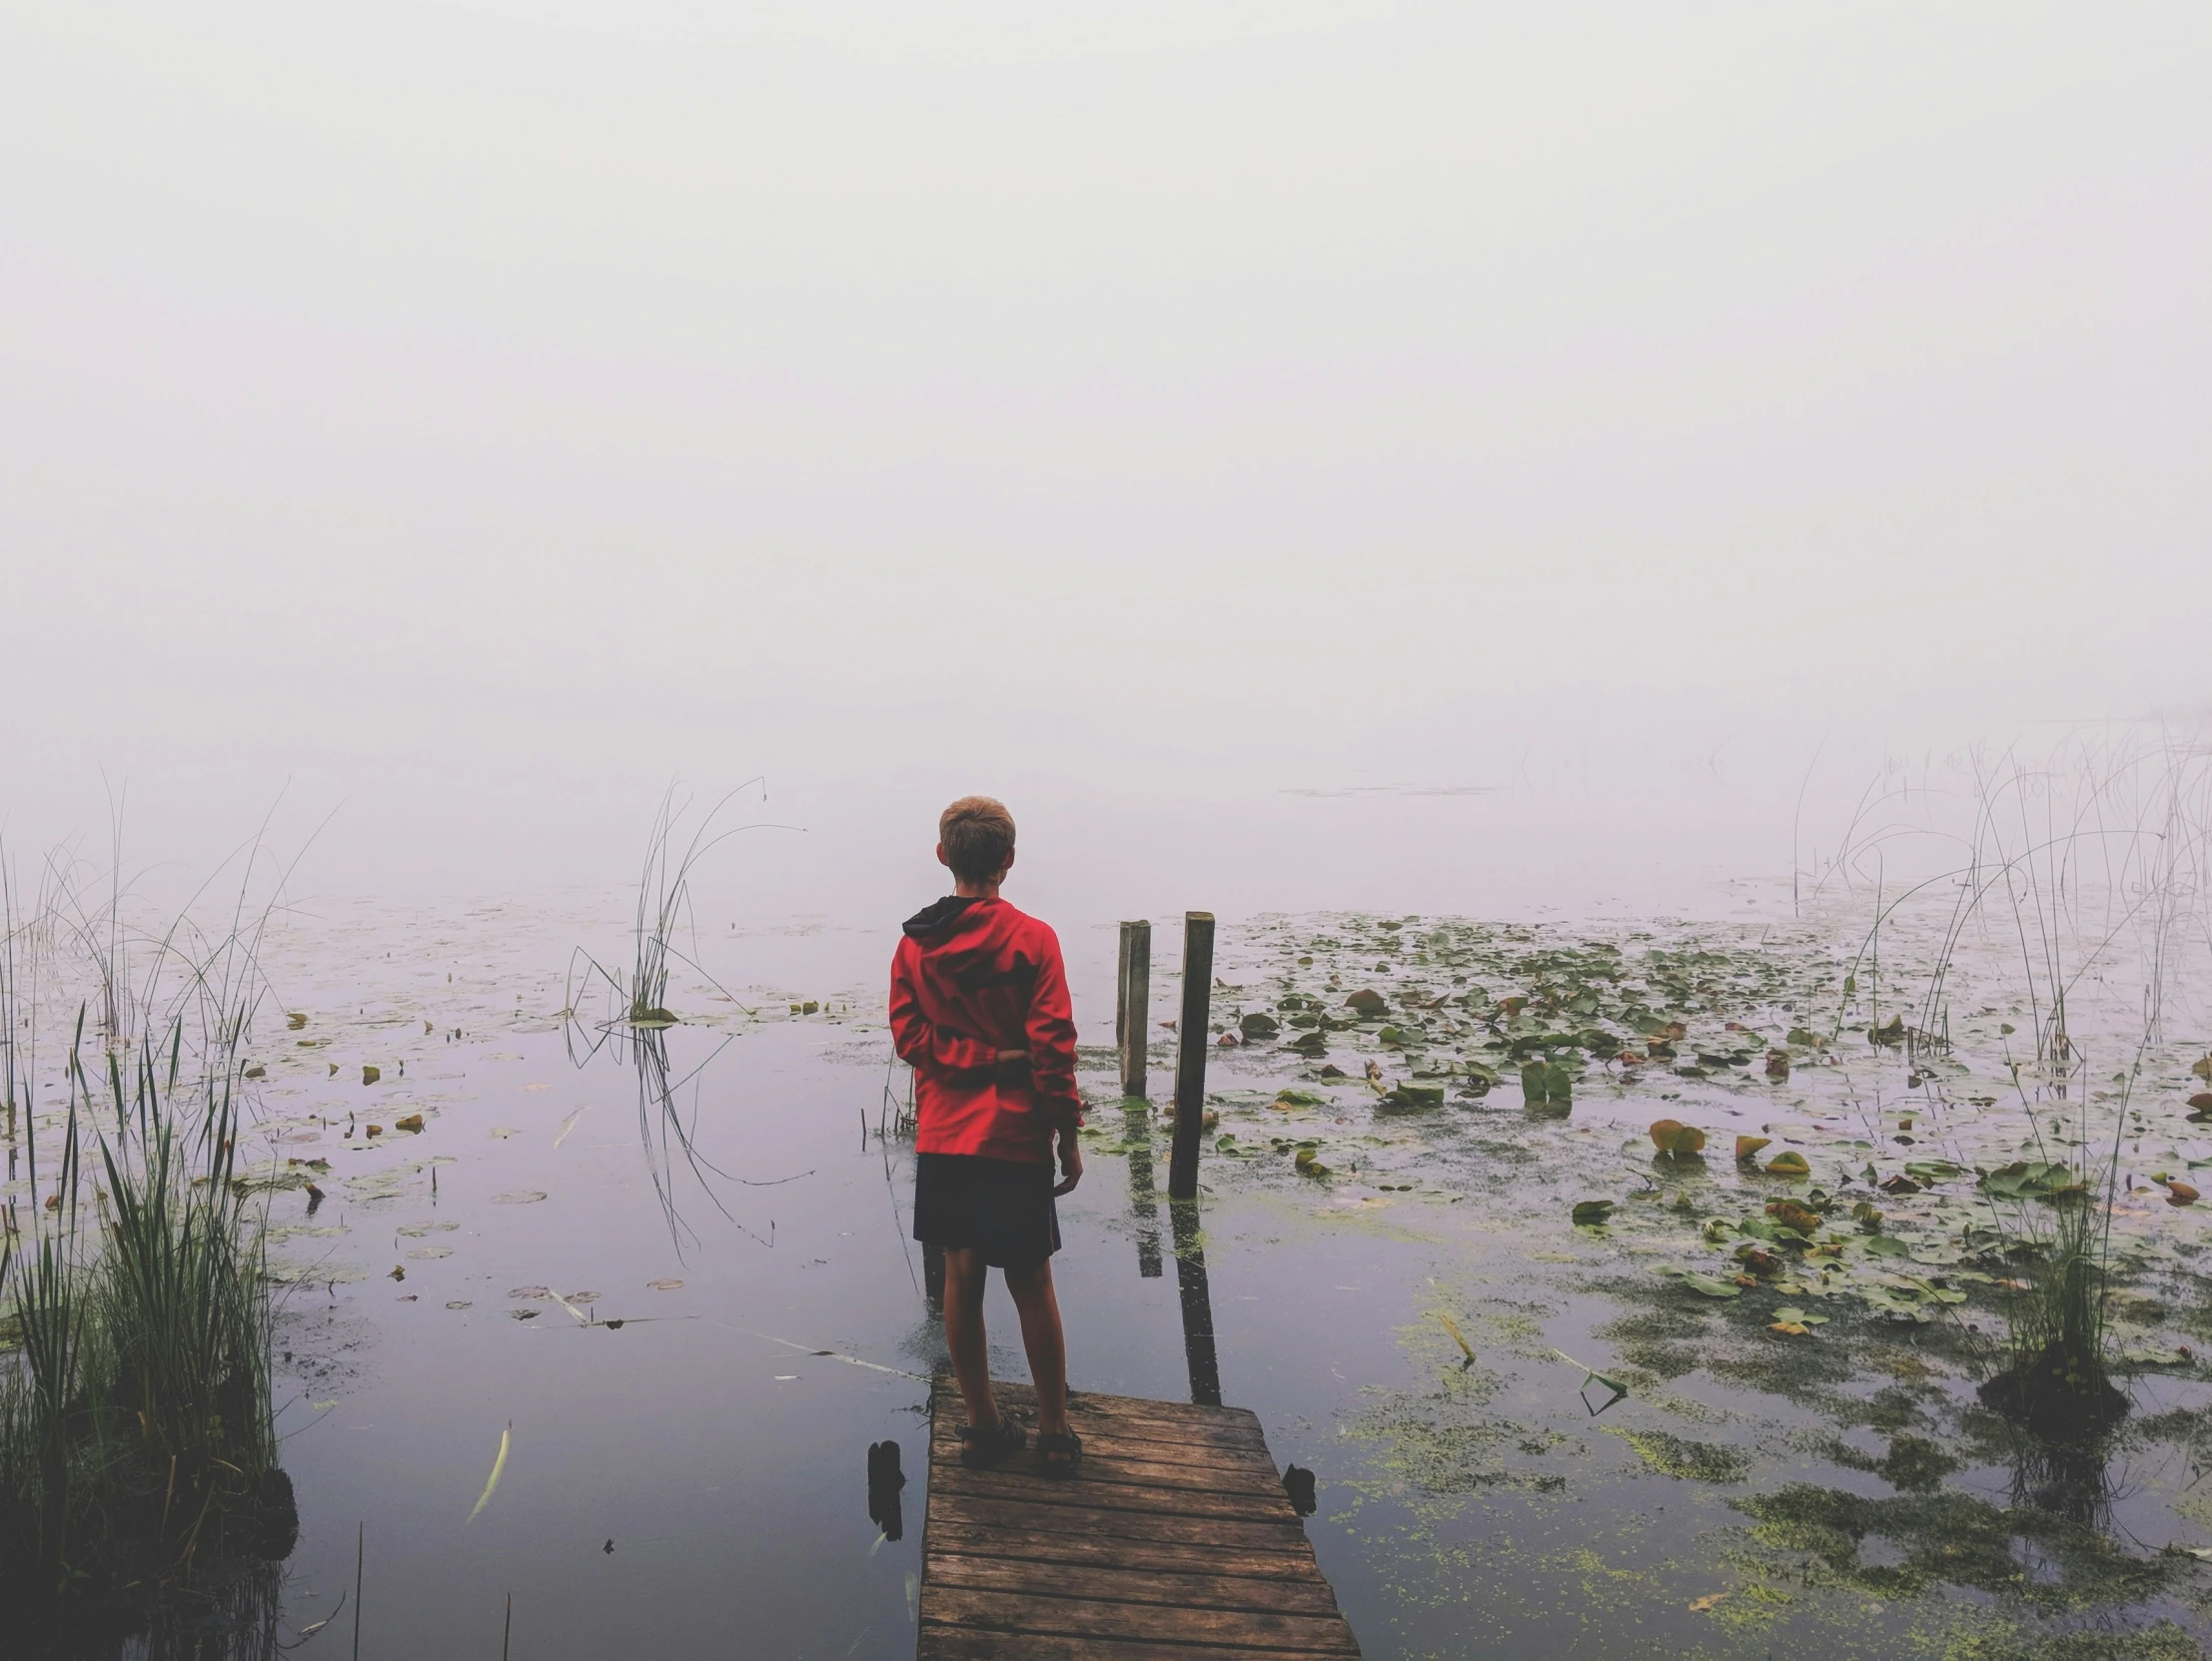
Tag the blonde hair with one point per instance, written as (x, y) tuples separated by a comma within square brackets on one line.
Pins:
[(978, 837)]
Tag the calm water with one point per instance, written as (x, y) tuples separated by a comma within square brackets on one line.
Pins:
[(692, 1481)]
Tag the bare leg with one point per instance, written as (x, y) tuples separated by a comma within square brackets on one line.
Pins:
[(965, 1274), (1039, 1307)]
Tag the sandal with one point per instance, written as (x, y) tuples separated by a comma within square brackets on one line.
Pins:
[(1058, 1452), (992, 1445)]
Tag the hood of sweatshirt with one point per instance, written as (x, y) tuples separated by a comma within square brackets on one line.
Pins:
[(935, 920), (970, 945)]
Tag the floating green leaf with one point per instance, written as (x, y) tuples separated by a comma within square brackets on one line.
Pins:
[(2032, 1180), (1412, 1098), (1547, 1083)]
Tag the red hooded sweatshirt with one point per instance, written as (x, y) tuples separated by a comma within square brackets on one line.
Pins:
[(972, 978)]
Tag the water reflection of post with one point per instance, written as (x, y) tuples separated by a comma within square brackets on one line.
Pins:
[(1198, 1305), (1132, 1033), (1144, 1199)]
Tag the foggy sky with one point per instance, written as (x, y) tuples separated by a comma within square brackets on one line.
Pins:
[(466, 418)]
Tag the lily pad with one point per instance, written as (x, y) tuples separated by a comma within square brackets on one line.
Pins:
[(1672, 1136), (1791, 1214), (1547, 1083), (1590, 1211), (1709, 1286), (1367, 1001), (1934, 1171), (1801, 1318), (2031, 1179), (1788, 1164), (1747, 1147), (1412, 1098)]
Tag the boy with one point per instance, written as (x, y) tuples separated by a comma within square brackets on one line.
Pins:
[(979, 1010)]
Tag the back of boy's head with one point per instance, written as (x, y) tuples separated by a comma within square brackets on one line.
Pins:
[(978, 836)]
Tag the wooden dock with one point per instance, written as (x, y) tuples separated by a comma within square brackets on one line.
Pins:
[(1175, 1542)]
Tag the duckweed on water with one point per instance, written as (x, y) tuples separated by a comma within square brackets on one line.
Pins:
[(1673, 1455)]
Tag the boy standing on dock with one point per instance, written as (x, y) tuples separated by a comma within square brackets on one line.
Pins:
[(979, 1010)]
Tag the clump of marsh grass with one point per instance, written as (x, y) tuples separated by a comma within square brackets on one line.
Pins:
[(635, 1007), (2057, 1382), (2086, 879), (664, 915), (137, 1439)]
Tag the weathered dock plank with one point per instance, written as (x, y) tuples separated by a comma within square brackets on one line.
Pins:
[(1174, 1542)]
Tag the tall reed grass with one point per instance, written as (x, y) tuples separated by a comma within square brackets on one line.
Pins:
[(605, 1004), (136, 1441), (2086, 881)]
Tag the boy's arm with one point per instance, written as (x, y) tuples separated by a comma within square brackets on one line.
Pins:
[(1050, 1029), (918, 1041)]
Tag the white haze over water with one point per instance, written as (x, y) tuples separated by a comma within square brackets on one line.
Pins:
[(1298, 455)]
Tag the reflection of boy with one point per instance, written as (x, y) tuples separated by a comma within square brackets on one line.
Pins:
[(979, 1008)]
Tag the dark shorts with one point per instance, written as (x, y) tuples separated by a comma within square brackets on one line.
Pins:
[(1000, 1208)]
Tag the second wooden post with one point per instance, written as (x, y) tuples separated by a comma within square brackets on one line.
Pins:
[(1192, 1036)]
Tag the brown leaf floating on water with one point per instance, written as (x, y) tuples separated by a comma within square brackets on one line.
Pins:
[(1672, 1136), (1790, 1214)]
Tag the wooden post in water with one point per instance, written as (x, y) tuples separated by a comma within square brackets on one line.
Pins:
[(1133, 1003), (1191, 1038)]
